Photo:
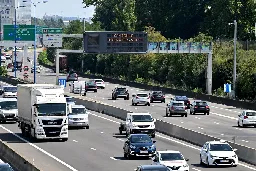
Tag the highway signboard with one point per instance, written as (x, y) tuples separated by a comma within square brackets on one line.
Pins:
[(119, 42), (52, 37), (39, 29), (23, 33)]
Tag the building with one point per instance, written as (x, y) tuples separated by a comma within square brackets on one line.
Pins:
[(6, 12), (24, 9)]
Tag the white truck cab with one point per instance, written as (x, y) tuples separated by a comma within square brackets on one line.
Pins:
[(78, 116), (138, 123)]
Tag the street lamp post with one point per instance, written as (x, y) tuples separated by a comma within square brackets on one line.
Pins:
[(15, 39), (234, 63)]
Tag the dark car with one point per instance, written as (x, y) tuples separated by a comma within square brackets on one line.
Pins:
[(139, 145), (90, 86), (182, 98), (199, 106), (5, 167), (157, 96), (72, 76), (120, 92), (152, 168)]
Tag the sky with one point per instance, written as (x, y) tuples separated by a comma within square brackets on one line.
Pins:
[(65, 8)]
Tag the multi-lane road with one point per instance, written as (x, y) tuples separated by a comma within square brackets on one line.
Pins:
[(222, 121), (100, 147)]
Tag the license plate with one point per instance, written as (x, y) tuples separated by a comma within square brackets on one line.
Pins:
[(224, 161), (202, 107), (79, 123), (52, 132), (144, 152)]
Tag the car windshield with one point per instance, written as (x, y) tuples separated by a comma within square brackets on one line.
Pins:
[(142, 118), (121, 89), (201, 104), (171, 156), (70, 99), (178, 104), (181, 98), (220, 147), (157, 92), (5, 168), (52, 109), (76, 111), (91, 83), (140, 139), (10, 89), (250, 113), (7, 105), (142, 95)]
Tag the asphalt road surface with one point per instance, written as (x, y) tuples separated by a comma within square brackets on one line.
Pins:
[(221, 123)]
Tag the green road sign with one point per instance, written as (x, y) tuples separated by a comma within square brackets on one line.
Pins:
[(52, 31), (23, 32), (39, 29)]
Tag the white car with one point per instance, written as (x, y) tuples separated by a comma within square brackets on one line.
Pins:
[(218, 153), (174, 160), (247, 118), (9, 91), (141, 98), (100, 83), (78, 116)]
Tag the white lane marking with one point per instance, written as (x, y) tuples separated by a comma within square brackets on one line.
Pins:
[(200, 128), (120, 139), (225, 116), (39, 149), (217, 123), (93, 149), (101, 132), (195, 169), (75, 140), (113, 158), (176, 141), (182, 122), (222, 134)]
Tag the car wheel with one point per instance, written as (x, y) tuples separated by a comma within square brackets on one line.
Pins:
[(186, 115), (95, 91), (135, 104), (190, 112), (120, 132), (148, 104), (208, 113), (166, 113), (201, 162), (64, 139), (243, 125), (87, 127), (163, 101), (132, 104), (207, 162), (125, 155), (151, 101), (153, 135), (238, 124)]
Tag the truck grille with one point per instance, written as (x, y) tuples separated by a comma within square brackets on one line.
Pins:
[(52, 122), (52, 131), (174, 167), (143, 126)]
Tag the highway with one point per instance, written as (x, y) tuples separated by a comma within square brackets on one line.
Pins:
[(222, 121)]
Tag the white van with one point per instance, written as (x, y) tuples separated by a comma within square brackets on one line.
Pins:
[(76, 87), (78, 116)]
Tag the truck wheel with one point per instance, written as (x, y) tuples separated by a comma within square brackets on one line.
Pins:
[(64, 139)]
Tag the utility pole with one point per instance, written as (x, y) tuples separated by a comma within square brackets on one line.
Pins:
[(234, 63)]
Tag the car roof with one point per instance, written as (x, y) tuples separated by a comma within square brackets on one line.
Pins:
[(168, 151), (249, 111), (152, 166), (78, 106), (177, 101), (218, 142), (7, 99)]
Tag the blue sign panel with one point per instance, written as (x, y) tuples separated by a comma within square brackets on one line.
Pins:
[(227, 88), (62, 82)]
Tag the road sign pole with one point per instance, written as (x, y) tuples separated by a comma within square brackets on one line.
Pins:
[(15, 39), (0, 37), (35, 47)]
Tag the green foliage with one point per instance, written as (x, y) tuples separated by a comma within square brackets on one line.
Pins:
[(51, 23), (3, 71), (42, 58)]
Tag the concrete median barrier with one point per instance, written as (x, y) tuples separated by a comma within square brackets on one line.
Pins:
[(245, 153), (15, 159)]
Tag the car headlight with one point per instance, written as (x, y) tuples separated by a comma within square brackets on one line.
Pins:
[(234, 156), (212, 156), (153, 146), (134, 125), (39, 130), (185, 165), (132, 147)]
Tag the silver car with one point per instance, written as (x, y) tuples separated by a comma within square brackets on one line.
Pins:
[(176, 108), (78, 116)]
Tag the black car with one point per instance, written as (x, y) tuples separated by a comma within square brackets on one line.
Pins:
[(139, 145), (120, 92), (157, 96), (90, 86), (152, 168), (5, 167), (199, 106), (72, 76), (182, 98)]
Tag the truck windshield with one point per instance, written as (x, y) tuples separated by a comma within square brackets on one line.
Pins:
[(142, 118), (8, 105), (10, 89), (52, 109), (76, 111)]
